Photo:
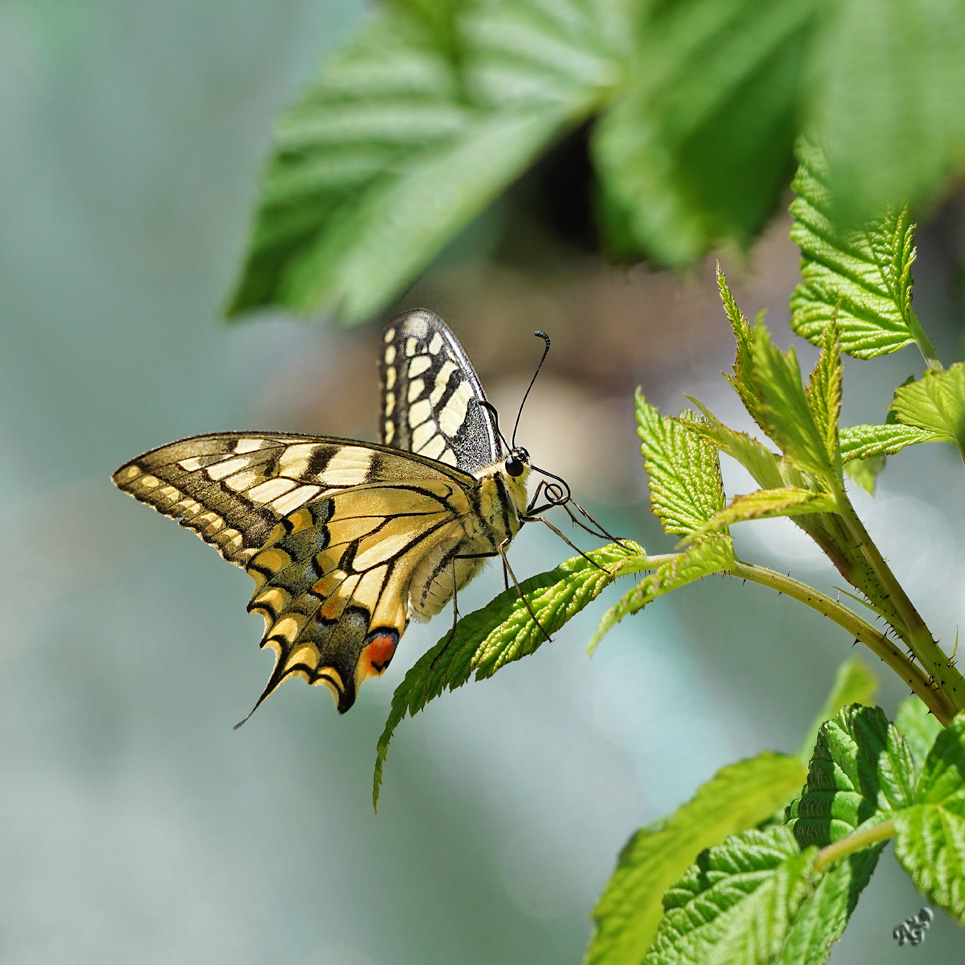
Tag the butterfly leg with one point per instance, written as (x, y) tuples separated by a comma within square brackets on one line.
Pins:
[(455, 603), (562, 536), (519, 589)]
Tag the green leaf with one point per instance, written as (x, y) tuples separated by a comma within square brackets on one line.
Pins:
[(737, 903), (712, 554), (784, 408), (864, 448), (854, 683), (935, 403), (487, 639), (890, 75), (865, 472), (860, 442), (861, 771), (930, 843), (699, 145), (919, 726), (685, 485), (823, 393), (859, 278), (738, 797), (408, 134), (769, 504), (764, 465), (822, 918)]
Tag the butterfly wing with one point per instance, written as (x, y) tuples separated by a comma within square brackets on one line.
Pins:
[(233, 488), (331, 531), (333, 581), (430, 395)]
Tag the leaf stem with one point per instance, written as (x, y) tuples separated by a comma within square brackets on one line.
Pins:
[(936, 700), (854, 842), (923, 341)]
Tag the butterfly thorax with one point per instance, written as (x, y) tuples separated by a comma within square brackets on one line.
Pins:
[(494, 506)]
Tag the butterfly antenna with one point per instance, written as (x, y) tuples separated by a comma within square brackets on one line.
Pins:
[(546, 339)]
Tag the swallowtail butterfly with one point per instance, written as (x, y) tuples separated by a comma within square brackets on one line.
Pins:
[(347, 541)]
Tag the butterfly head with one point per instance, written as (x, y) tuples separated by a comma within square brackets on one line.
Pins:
[(517, 462)]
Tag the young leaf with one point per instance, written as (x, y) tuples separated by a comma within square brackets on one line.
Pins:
[(698, 146), (501, 632), (935, 403), (864, 448), (860, 442), (861, 771), (409, 132), (712, 554), (784, 409), (737, 903), (823, 393), (764, 465), (738, 797), (768, 504), (859, 278), (743, 381), (930, 843), (685, 485)]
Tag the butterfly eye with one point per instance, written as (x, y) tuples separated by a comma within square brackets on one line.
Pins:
[(516, 462)]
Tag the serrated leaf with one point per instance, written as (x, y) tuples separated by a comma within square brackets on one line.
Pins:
[(754, 456), (930, 843), (737, 903), (409, 132), (685, 485), (860, 442), (713, 554), (935, 403), (919, 726), (861, 771), (743, 377), (823, 393), (738, 797), (769, 504), (698, 146), (859, 278), (784, 410), (503, 631), (864, 448), (853, 683), (822, 918)]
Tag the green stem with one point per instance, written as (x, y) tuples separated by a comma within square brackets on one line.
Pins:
[(923, 341), (861, 630), (913, 629), (854, 842)]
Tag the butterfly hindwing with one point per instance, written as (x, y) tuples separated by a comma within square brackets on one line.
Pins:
[(332, 581), (430, 395)]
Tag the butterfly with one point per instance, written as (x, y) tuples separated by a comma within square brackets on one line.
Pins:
[(347, 541)]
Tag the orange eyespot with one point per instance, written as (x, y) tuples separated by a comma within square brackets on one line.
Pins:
[(380, 649)]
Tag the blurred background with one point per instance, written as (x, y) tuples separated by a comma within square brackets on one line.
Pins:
[(135, 824)]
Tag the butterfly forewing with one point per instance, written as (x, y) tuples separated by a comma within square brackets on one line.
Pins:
[(430, 395)]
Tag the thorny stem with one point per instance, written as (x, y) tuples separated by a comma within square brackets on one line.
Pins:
[(936, 700), (913, 630)]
